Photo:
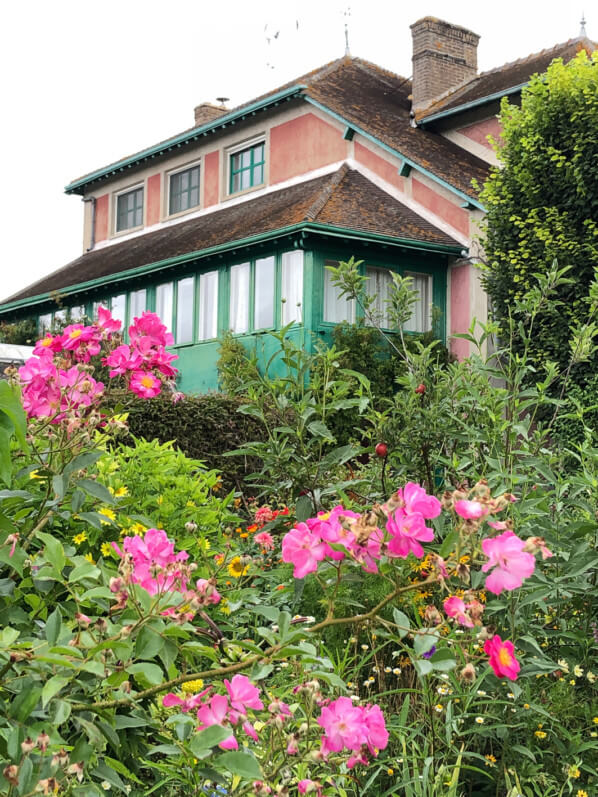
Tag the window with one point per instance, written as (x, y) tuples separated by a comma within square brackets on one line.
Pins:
[(76, 313), (60, 317), (184, 310), (378, 285), (184, 190), (337, 308), (45, 322), (118, 307), (263, 293), (421, 320), (137, 304), (291, 292), (247, 168), (208, 306), (239, 298), (129, 210), (164, 303)]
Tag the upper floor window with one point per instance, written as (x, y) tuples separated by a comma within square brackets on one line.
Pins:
[(183, 190), (129, 210), (247, 168)]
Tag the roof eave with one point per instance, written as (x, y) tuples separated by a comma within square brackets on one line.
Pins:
[(409, 161), (466, 106), (78, 186), (308, 227)]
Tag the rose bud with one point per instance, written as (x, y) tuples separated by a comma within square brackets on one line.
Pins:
[(468, 673), (420, 389)]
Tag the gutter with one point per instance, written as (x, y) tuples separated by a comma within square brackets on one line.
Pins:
[(92, 237), (469, 105), (406, 162), (151, 268), (77, 186)]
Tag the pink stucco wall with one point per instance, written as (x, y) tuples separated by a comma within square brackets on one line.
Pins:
[(102, 207), (447, 211), (459, 277), (480, 131), (303, 144), (387, 171), (210, 177), (153, 199)]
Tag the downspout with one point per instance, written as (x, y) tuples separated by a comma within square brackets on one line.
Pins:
[(92, 241)]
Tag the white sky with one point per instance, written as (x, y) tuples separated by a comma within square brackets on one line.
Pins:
[(85, 82)]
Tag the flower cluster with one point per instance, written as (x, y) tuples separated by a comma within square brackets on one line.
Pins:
[(340, 533), (145, 358), (360, 729), (57, 382), (227, 710), (151, 562)]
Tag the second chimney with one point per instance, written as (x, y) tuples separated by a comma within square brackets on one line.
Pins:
[(206, 112), (444, 56)]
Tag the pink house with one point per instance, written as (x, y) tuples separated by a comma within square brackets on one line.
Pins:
[(230, 224)]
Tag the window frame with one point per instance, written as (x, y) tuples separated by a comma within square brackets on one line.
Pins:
[(276, 297), (188, 167), (117, 196), (232, 152)]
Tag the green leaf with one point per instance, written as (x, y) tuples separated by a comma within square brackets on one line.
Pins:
[(402, 621), (303, 508), (129, 721), (241, 764), (84, 570), (122, 769), (424, 642), (148, 644), (105, 772), (25, 702), (146, 674), (53, 625), (319, 429), (443, 660), (52, 687), (97, 490), (8, 636), (423, 667), (208, 738), (53, 550), (11, 405)]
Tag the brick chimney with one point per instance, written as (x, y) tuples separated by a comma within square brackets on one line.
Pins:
[(206, 112), (444, 56)]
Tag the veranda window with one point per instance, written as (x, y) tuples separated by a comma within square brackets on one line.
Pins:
[(208, 306), (337, 308), (378, 285), (421, 320), (184, 310)]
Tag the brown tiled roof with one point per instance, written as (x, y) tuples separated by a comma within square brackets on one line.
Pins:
[(344, 199), (502, 78), (377, 101)]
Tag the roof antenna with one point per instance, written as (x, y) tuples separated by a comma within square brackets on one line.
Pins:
[(346, 15), (582, 31)]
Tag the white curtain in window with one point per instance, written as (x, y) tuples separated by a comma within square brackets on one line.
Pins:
[(45, 322), (239, 298), (292, 287), (208, 305), (336, 308), (421, 320), (137, 304), (263, 302), (184, 310), (164, 296), (118, 306), (378, 284)]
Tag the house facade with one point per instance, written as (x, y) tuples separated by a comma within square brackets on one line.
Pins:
[(230, 225)]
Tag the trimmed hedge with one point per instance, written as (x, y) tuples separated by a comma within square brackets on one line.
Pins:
[(202, 427)]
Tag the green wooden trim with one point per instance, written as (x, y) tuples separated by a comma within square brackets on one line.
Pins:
[(250, 168), (78, 186), (183, 195), (497, 95), (404, 169), (348, 133), (414, 164)]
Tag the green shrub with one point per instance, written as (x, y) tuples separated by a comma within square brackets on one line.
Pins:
[(202, 427), (20, 333)]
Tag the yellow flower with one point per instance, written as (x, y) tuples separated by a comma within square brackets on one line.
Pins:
[(595, 720), (192, 686), (438, 707), (79, 538), (108, 513), (106, 549), (573, 771), (204, 545), (121, 491), (224, 606), (89, 558), (236, 568), (217, 486), (35, 475), (581, 793), (190, 504), (577, 671), (590, 676), (490, 760), (540, 734), (572, 681), (526, 706), (390, 771), (137, 528)]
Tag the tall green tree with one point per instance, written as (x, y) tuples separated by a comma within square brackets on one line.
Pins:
[(543, 206)]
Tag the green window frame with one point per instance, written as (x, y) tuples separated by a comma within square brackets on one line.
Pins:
[(184, 190), (129, 210), (247, 168), (254, 295)]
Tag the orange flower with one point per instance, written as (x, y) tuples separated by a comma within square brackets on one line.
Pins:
[(280, 586), (252, 528)]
